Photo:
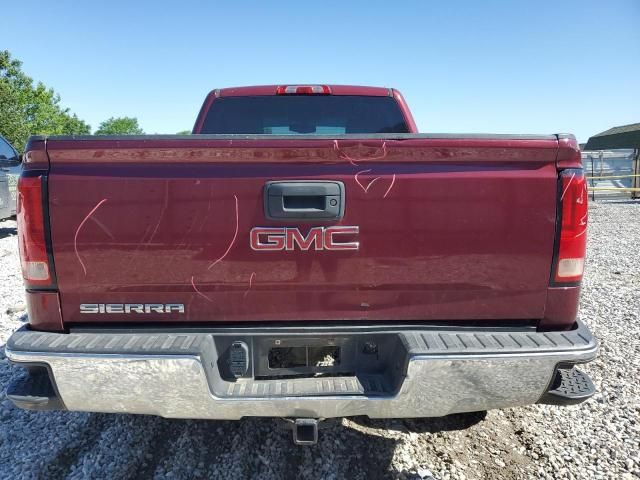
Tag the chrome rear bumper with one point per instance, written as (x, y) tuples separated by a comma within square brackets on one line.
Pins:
[(176, 375)]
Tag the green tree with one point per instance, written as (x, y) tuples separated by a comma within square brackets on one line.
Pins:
[(119, 126), (31, 109), (184, 132)]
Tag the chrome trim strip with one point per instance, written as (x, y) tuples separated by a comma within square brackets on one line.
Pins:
[(589, 352)]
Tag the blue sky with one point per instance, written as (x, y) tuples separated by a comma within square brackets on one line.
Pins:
[(463, 66)]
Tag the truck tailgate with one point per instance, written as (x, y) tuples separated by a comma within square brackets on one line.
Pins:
[(450, 228)]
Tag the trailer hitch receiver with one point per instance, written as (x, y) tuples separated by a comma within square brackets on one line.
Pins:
[(305, 431)]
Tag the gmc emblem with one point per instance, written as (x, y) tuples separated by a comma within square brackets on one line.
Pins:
[(285, 238)]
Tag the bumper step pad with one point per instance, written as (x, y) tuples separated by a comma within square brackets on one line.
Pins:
[(570, 386), (34, 391)]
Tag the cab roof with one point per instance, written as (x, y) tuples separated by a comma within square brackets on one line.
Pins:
[(335, 90)]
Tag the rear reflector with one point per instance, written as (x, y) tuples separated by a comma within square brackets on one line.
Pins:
[(36, 270), (303, 90), (572, 243)]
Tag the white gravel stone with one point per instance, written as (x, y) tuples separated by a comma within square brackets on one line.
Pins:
[(598, 439)]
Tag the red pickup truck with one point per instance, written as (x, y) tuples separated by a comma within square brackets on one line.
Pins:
[(305, 254)]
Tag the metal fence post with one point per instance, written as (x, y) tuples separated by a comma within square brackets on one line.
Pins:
[(593, 182), (636, 172)]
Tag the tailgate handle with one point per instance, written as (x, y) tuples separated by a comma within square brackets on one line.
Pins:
[(304, 199)]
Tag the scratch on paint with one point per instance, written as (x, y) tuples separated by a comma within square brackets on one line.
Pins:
[(366, 189), (393, 180), (199, 292), (188, 309), (253, 274), (183, 242), (233, 240), (103, 227), (371, 183), (162, 212), (75, 237), (358, 181), (144, 235), (206, 216), (352, 160), (567, 187), (583, 221)]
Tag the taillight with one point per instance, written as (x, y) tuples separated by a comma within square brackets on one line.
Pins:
[(303, 90), (32, 240), (572, 235)]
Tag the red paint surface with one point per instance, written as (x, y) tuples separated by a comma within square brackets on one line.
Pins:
[(465, 232), (44, 312), (561, 309), (568, 153), (411, 124), (35, 156)]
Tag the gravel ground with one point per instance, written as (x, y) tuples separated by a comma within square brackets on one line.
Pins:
[(599, 439)]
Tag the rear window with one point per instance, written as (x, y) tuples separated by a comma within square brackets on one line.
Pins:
[(302, 114)]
